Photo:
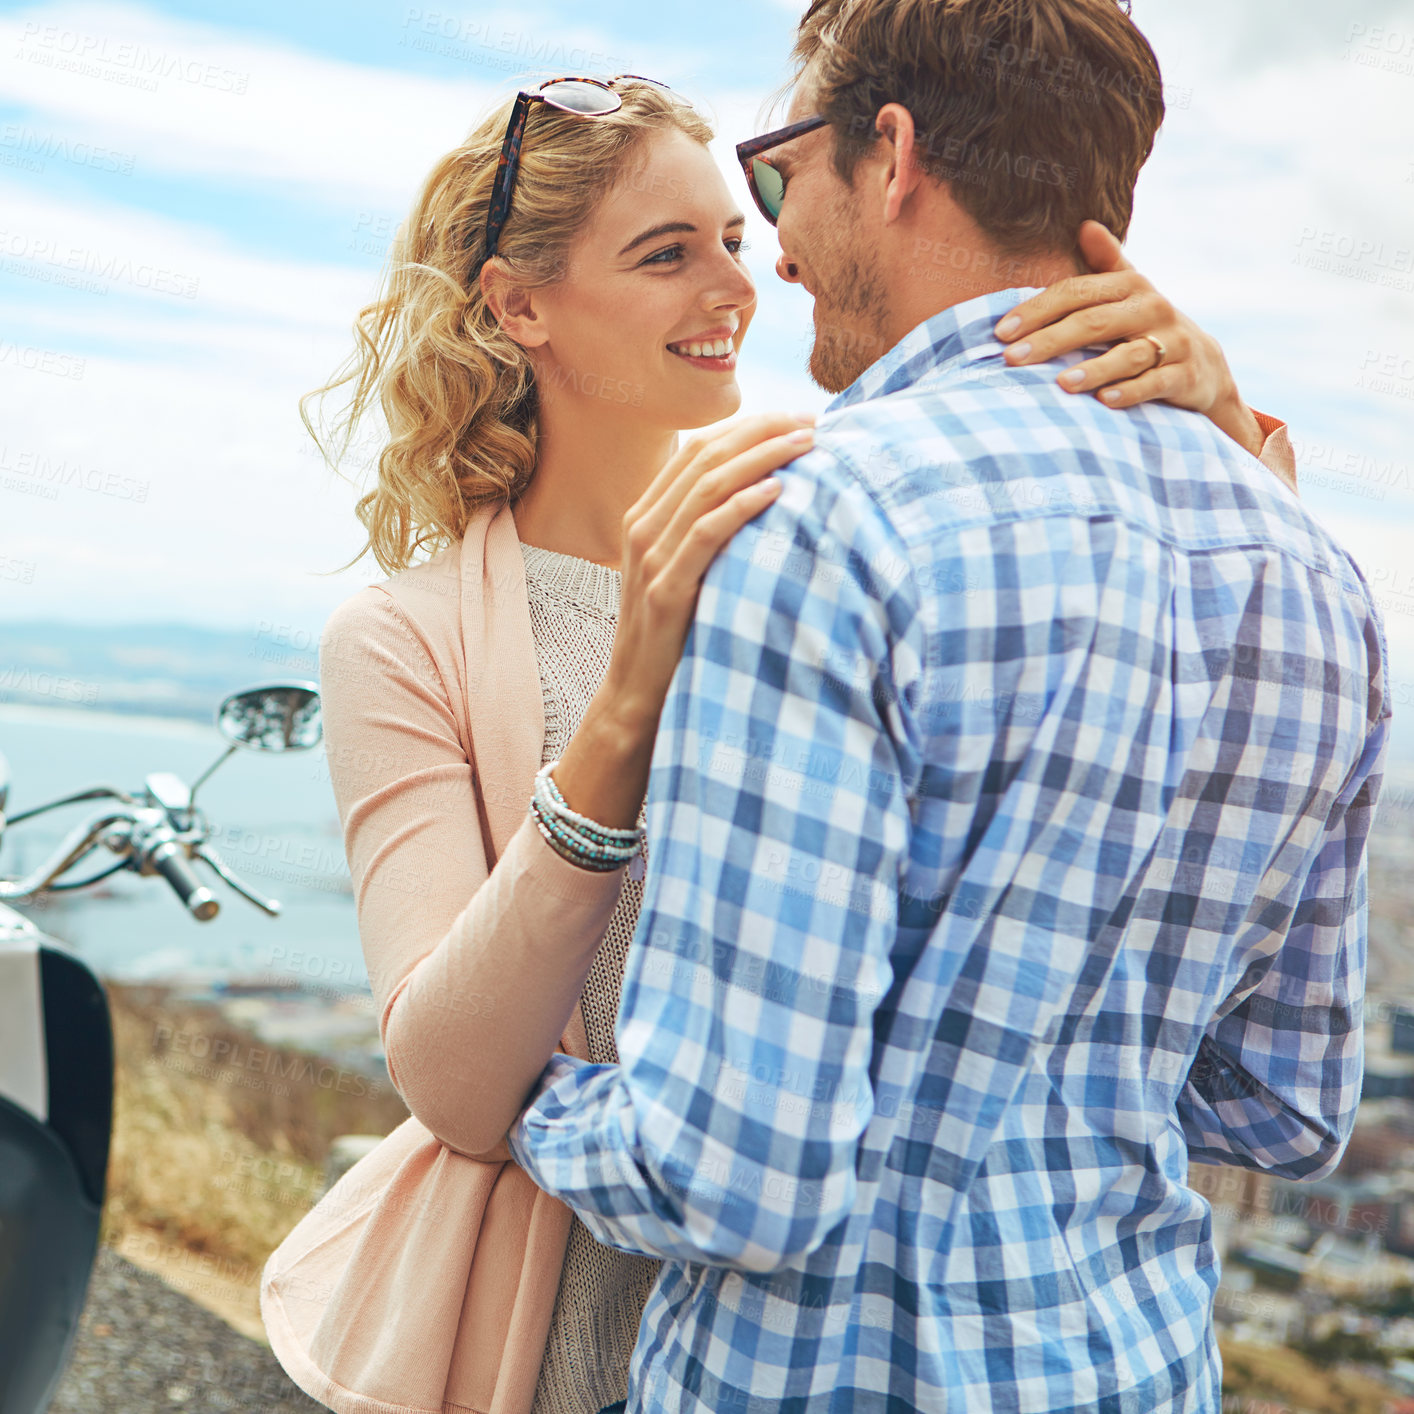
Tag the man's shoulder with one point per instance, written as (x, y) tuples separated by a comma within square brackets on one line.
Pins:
[(983, 444), (979, 413), (825, 526)]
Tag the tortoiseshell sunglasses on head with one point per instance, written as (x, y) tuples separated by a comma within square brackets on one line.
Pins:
[(768, 187), (589, 98)]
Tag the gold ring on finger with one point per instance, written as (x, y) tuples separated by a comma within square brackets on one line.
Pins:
[(1159, 348)]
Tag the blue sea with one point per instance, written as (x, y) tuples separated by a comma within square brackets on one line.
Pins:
[(272, 820)]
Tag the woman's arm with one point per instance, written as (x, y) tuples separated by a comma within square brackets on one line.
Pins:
[(1117, 305), (475, 977)]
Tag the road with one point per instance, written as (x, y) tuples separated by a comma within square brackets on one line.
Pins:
[(144, 1348)]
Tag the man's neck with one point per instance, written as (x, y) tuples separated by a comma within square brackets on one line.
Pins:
[(929, 287), (959, 333)]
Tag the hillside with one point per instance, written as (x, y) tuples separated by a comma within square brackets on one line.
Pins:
[(214, 1162)]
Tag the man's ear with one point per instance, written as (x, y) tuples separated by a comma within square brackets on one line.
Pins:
[(513, 306), (901, 172)]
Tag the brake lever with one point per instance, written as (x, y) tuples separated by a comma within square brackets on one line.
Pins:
[(80, 840), (270, 906), (94, 793)]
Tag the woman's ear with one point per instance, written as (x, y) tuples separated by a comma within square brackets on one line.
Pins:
[(512, 306)]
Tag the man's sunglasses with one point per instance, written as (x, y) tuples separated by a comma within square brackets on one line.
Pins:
[(589, 98), (768, 187)]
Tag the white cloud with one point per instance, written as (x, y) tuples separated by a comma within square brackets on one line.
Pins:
[(192, 98), (1241, 214), (220, 509), (180, 496), (1264, 33), (197, 397), (174, 269)]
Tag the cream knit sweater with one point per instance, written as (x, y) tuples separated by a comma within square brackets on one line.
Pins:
[(574, 610)]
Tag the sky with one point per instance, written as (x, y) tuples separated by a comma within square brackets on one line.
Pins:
[(196, 199)]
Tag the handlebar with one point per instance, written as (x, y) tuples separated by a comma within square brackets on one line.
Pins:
[(146, 842), (75, 845), (160, 829), (170, 862)]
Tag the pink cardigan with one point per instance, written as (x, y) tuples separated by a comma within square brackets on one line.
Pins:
[(479, 939), (477, 977)]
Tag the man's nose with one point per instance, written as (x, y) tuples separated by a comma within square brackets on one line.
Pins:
[(787, 270)]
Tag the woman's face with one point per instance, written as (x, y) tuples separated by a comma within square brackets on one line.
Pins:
[(656, 298)]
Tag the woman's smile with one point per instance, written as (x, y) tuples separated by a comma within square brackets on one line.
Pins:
[(713, 350), (711, 362)]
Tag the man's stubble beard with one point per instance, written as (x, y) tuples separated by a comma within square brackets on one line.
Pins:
[(850, 336)]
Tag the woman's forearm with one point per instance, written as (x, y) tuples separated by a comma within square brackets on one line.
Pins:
[(534, 926), (1232, 416), (474, 1023), (478, 1018), (603, 772)]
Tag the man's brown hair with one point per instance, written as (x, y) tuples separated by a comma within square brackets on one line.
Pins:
[(1038, 114)]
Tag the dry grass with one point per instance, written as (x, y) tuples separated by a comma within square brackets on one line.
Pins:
[(219, 1144), (1273, 1380)]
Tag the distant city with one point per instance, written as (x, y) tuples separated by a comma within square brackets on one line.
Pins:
[(1326, 1268)]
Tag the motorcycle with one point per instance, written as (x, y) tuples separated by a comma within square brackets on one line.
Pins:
[(56, 1037)]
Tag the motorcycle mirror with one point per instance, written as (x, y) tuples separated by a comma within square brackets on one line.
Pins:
[(283, 716)]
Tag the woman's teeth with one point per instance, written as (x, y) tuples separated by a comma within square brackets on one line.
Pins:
[(716, 348)]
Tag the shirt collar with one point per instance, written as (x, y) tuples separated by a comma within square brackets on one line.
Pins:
[(962, 334)]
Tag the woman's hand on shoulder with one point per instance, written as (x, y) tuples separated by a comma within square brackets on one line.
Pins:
[(709, 489), (1116, 305)]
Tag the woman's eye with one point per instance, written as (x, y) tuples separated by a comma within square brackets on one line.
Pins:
[(670, 255)]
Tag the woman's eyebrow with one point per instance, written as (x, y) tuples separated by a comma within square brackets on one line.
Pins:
[(669, 228)]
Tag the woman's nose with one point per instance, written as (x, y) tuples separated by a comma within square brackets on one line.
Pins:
[(739, 294)]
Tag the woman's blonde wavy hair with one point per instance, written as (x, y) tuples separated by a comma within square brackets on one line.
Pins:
[(457, 393)]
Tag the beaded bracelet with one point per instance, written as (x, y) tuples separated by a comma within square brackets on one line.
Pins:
[(620, 835), (587, 839), (575, 849), (577, 838), (580, 849), (566, 851)]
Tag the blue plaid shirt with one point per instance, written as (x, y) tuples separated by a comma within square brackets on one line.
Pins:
[(1007, 823)]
